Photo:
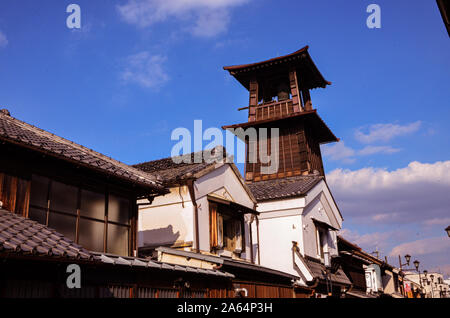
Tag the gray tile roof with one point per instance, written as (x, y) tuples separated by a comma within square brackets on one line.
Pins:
[(318, 271), (283, 188), (147, 263), (24, 237), (27, 237), (233, 263), (169, 171), (21, 133)]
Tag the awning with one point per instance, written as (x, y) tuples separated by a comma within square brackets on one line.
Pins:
[(326, 225), (233, 205)]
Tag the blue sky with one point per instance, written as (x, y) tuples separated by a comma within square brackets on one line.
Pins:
[(136, 70)]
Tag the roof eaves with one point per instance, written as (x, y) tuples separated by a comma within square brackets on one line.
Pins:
[(275, 59), (138, 177)]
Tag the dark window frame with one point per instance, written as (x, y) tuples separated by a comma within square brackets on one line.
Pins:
[(106, 191), (322, 233)]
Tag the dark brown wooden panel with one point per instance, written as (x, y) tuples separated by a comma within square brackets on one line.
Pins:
[(297, 102), (14, 194)]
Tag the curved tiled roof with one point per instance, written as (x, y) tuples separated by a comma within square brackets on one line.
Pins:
[(318, 270), (283, 188), (24, 236), (300, 57), (266, 62), (324, 133), (23, 134), (173, 169)]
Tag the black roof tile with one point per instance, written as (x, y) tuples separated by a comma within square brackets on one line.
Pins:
[(16, 234), (19, 132), (169, 171), (318, 270), (283, 188)]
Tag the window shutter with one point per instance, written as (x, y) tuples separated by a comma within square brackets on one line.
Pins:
[(219, 231), (213, 225), (14, 194), (238, 231)]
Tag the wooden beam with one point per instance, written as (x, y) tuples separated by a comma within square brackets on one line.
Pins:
[(306, 99), (253, 101), (296, 98)]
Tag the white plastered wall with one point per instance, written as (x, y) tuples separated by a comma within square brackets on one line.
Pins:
[(224, 183), (170, 218), (283, 222)]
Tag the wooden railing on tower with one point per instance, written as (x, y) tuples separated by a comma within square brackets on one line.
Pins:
[(274, 110)]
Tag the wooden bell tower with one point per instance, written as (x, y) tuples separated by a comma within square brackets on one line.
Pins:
[(279, 97)]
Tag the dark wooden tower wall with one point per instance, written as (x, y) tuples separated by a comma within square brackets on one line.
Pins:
[(279, 97), (299, 153)]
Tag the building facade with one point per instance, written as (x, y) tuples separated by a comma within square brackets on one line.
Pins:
[(432, 285), (208, 220), (63, 204), (299, 218)]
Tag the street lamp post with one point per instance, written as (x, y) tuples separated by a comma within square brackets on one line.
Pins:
[(432, 282), (407, 258), (416, 265), (425, 280)]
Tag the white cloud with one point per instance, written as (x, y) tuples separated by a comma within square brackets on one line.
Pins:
[(373, 241), (438, 221), (444, 269), (416, 193), (146, 70), (385, 132), (432, 251), (210, 17), (426, 246), (211, 22), (3, 40), (371, 150), (339, 152), (406, 208)]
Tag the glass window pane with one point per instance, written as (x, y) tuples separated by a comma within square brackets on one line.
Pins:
[(39, 190), (118, 209), (117, 239), (92, 204), (38, 215), (90, 234), (64, 224), (63, 197)]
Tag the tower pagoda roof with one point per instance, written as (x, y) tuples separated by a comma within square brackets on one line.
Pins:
[(324, 133), (300, 60)]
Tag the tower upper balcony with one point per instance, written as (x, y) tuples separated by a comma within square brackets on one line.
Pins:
[(279, 86)]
